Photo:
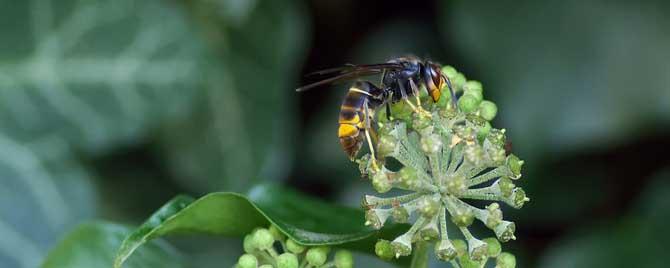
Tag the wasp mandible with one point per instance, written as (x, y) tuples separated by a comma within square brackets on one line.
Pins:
[(401, 79)]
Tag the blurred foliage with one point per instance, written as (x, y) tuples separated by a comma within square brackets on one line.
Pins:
[(637, 240), (94, 244), (80, 79), (591, 72)]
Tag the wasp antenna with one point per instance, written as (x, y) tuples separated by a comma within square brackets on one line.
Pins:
[(451, 90)]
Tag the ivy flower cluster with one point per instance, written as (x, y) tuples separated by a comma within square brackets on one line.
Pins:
[(270, 248), (439, 156)]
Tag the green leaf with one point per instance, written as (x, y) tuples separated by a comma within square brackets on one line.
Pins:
[(306, 220), (92, 245), (78, 78)]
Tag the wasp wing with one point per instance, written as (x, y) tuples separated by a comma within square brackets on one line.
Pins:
[(342, 77), (352, 68), (349, 71)]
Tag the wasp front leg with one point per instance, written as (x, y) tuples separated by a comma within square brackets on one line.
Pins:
[(415, 91)]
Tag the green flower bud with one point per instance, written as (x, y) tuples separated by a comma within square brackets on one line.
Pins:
[(466, 132), (248, 246), (429, 232), (402, 246), (445, 250), (448, 114), (497, 137), (384, 250), (420, 121), (462, 217), (488, 110), (483, 132), (428, 207), (386, 145), (445, 99), (317, 256), (372, 219), (276, 233), (461, 246), (476, 120), (494, 246), (458, 81), (468, 103), (402, 111), (262, 239), (287, 260), (474, 85), (494, 215), (266, 266), (514, 164), (505, 260), (364, 165), (505, 231), (431, 144), (497, 156), (456, 185), (479, 96), (408, 177), (400, 214), (344, 259), (518, 198), (247, 261), (477, 249), (506, 186), (474, 154), (449, 71), (381, 182), (466, 262), (294, 247)]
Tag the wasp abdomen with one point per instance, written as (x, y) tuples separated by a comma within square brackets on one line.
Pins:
[(352, 118)]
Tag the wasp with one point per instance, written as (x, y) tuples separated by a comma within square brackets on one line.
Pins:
[(401, 79)]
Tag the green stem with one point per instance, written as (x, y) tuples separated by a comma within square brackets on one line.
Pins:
[(495, 173), (420, 255)]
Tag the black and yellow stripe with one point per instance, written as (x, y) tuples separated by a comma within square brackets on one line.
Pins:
[(352, 118)]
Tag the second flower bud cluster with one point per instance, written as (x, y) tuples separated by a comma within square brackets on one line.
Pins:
[(269, 248)]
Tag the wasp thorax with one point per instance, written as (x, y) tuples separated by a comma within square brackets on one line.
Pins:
[(449, 155)]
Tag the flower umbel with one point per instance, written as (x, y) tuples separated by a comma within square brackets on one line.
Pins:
[(449, 154)]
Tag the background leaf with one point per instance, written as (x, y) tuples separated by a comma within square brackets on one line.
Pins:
[(92, 245), (79, 78), (306, 220), (102, 100)]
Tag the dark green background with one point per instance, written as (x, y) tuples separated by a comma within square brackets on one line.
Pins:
[(110, 108)]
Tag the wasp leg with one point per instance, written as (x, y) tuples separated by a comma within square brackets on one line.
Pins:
[(415, 91), (388, 111), (369, 129)]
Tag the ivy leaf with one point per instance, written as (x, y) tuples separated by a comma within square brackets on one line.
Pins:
[(78, 78), (93, 245), (305, 220)]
